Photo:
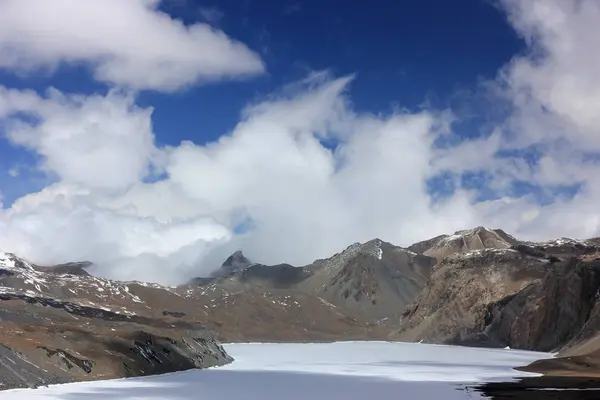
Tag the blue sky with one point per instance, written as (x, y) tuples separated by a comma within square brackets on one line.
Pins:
[(312, 124), (404, 53)]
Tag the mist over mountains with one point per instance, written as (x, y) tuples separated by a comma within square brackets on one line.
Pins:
[(303, 172)]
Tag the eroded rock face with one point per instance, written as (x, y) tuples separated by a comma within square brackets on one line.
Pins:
[(51, 331), (453, 306), (538, 296), (549, 313), (525, 298), (580, 356)]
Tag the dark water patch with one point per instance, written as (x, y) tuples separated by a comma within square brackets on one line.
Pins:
[(543, 388)]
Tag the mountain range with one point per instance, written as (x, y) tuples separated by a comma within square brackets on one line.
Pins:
[(478, 287)]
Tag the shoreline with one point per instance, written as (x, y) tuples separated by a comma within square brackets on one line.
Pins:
[(542, 388)]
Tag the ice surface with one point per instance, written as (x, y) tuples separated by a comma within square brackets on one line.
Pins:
[(347, 370)]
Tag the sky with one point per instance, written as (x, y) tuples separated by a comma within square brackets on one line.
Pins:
[(154, 137)]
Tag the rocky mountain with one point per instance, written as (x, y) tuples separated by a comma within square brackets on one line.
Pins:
[(368, 281), (375, 279), (59, 325), (235, 262), (464, 241), (478, 287), (62, 324), (538, 296)]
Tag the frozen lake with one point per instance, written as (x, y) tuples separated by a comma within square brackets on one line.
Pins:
[(345, 370)]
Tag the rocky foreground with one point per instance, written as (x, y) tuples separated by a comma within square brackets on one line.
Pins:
[(478, 287)]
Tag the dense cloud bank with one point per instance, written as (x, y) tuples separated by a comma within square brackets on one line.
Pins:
[(271, 186)]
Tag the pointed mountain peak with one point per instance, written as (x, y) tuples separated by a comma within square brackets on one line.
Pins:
[(235, 262)]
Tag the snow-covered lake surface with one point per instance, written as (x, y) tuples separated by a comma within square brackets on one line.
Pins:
[(345, 370)]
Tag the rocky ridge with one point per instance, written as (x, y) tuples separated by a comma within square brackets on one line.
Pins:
[(477, 287), (367, 281)]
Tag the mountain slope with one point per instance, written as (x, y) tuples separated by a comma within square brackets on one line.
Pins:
[(524, 297), (375, 279), (65, 325), (367, 282), (52, 331), (476, 287)]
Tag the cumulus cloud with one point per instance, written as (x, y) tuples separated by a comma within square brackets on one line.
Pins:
[(277, 189), (98, 148), (554, 93), (302, 199), (97, 141), (127, 43)]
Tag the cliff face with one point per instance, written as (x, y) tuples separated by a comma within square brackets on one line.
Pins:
[(552, 313), (542, 297), (454, 307), (580, 356)]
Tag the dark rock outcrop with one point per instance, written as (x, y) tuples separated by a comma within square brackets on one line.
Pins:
[(549, 313), (235, 262)]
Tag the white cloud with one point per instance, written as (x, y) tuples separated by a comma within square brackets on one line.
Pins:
[(554, 93), (302, 199), (124, 246), (560, 73), (127, 43), (99, 148), (96, 141), (305, 200)]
